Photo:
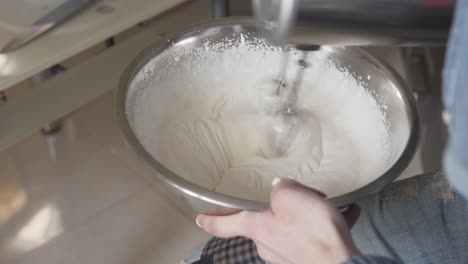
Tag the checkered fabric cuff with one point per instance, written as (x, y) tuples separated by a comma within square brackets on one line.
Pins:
[(236, 250)]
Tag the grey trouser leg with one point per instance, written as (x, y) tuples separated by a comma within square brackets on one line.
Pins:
[(418, 220)]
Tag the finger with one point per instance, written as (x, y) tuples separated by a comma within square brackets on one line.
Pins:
[(284, 183), (227, 226), (351, 215)]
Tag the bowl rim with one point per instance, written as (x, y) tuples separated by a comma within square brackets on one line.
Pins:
[(160, 45)]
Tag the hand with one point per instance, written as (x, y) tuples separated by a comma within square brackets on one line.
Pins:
[(301, 227)]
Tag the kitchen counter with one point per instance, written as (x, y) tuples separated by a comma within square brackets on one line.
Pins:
[(95, 24)]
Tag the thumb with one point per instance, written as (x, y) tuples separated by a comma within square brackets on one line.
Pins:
[(286, 193), (237, 224)]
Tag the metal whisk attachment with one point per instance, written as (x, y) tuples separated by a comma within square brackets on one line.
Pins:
[(289, 92), (285, 129)]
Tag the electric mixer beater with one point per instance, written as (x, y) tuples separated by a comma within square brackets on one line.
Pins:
[(288, 119)]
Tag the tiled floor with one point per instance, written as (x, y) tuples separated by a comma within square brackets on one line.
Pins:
[(89, 199)]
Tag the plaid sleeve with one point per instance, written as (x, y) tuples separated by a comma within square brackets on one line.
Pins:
[(235, 250)]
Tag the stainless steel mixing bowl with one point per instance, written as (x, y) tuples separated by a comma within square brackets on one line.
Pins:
[(385, 85)]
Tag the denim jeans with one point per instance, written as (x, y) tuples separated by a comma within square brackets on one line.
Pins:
[(418, 220), (455, 95)]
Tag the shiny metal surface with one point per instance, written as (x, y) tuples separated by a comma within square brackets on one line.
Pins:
[(356, 22), (46, 23), (384, 83), (279, 17)]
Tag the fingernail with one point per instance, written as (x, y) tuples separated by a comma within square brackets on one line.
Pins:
[(198, 223), (276, 181)]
